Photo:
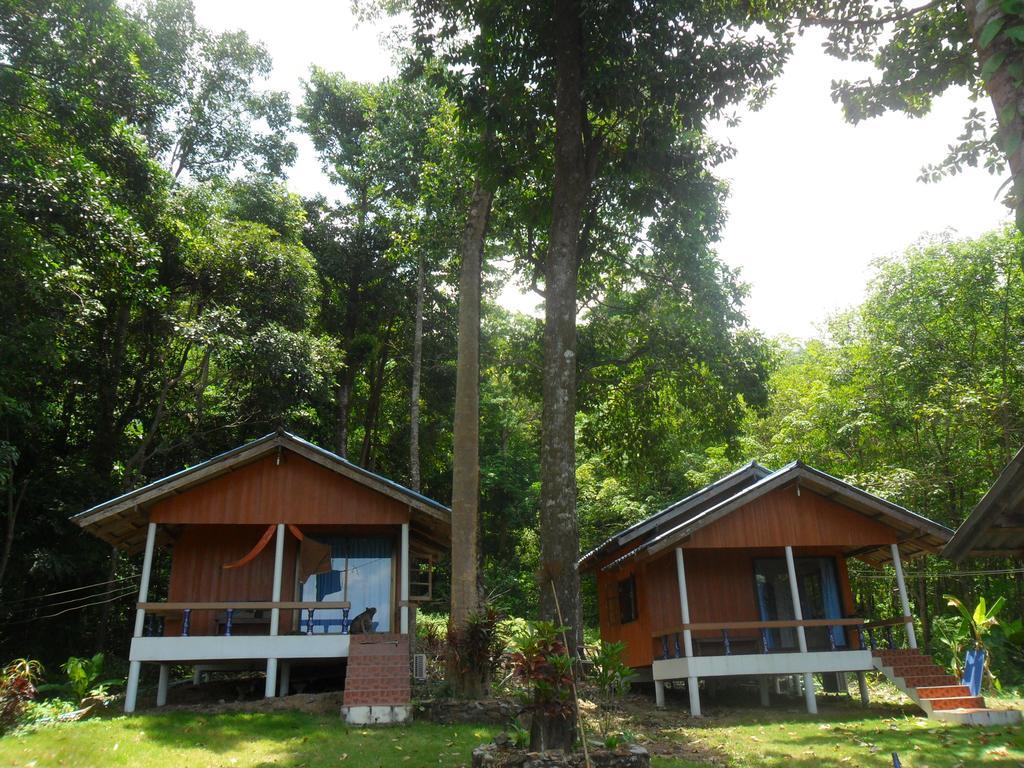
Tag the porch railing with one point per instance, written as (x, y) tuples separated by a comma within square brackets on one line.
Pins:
[(230, 609), (669, 642)]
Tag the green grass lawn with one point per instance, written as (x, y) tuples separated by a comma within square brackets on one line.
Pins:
[(236, 740), (843, 739), (842, 735)]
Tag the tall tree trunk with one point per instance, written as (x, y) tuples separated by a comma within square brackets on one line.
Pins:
[(14, 499), (465, 596), (1005, 94), (417, 368), (559, 536), (377, 372), (104, 432), (106, 609), (922, 608), (344, 397)]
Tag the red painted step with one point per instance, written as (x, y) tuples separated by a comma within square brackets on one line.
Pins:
[(924, 681), (942, 691), (957, 702), (918, 670)]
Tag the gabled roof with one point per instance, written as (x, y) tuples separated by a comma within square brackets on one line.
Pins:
[(918, 534), (122, 520), (676, 512), (995, 527)]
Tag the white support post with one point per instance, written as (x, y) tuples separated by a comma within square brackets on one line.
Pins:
[(794, 593), (147, 569), (765, 695), (801, 636), (404, 581), (131, 692), (693, 688), (904, 600), (271, 684), (862, 684), (135, 667), (275, 613), (692, 684), (684, 601), (162, 685), (659, 694)]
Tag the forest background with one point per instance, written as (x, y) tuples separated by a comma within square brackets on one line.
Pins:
[(168, 299)]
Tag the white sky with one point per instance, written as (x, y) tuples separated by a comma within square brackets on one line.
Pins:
[(814, 200)]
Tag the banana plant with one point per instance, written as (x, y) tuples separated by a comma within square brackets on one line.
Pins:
[(977, 625)]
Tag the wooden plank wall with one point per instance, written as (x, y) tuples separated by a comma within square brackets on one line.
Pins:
[(198, 575), (296, 490), (720, 587), (783, 518)]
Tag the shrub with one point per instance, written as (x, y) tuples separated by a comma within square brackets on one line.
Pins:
[(544, 667), (17, 688)]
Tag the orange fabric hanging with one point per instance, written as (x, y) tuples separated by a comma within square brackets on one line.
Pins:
[(260, 546)]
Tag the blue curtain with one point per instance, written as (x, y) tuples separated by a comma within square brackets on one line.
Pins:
[(762, 604), (830, 596)]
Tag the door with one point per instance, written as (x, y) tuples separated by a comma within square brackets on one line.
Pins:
[(361, 573), (818, 589)]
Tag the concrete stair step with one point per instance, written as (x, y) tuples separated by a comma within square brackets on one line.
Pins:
[(978, 716)]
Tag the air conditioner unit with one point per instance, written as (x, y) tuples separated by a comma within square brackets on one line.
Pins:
[(419, 666)]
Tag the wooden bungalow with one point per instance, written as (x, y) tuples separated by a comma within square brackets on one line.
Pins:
[(280, 553), (995, 527), (747, 578)]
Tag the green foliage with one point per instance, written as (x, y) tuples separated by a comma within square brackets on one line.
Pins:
[(476, 648), (974, 630), (519, 736), (609, 673), (544, 667), (84, 677), (17, 689), (922, 52)]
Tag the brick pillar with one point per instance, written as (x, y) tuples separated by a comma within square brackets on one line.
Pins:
[(378, 671)]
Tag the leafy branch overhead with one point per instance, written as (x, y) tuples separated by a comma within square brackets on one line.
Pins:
[(923, 51)]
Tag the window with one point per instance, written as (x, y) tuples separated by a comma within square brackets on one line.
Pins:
[(421, 577), (627, 600), (361, 574)]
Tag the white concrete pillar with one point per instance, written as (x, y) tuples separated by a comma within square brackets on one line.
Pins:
[(812, 703), (904, 600), (404, 581), (765, 697), (801, 636), (862, 684), (693, 688), (131, 692), (659, 694), (794, 592), (197, 675), (162, 685), (147, 570), (275, 613), (286, 677), (684, 602), (271, 678)]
